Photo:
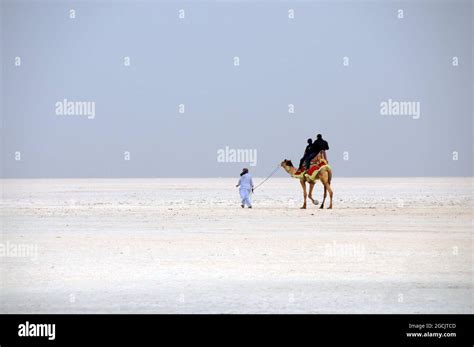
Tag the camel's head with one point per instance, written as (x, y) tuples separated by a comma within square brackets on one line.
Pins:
[(287, 163)]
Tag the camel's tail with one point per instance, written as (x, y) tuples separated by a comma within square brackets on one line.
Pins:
[(329, 176)]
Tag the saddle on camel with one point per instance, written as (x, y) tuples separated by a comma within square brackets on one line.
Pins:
[(315, 165)]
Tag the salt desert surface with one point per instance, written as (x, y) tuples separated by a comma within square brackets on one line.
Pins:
[(390, 245)]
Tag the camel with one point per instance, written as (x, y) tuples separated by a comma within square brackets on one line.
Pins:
[(323, 174)]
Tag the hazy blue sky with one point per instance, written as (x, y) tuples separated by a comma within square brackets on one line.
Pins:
[(190, 61)]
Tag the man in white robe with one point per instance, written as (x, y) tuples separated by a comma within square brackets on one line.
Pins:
[(245, 188)]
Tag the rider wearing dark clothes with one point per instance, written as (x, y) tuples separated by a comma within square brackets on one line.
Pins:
[(306, 151), (318, 146)]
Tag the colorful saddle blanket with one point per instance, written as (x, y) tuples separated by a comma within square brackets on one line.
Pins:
[(315, 167)]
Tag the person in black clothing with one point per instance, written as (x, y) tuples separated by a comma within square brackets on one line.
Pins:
[(317, 146), (306, 152)]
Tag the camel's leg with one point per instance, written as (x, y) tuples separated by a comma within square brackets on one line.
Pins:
[(328, 187), (310, 194), (324, 197), (326, 181), (303, 184)]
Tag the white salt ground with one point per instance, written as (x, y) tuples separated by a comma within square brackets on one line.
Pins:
[(390, 245)]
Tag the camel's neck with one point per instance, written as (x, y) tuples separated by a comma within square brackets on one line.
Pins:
[(290, 169)]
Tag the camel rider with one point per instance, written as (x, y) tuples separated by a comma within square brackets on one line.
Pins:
[(246, 186), (306, 152), (318, 145)]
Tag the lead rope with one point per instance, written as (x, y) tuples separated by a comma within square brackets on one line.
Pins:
[(271, 174)]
